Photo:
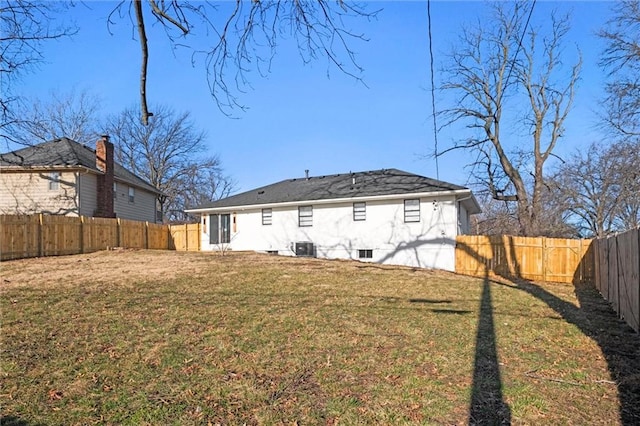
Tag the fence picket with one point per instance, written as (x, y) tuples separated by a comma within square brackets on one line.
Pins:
[(25, 236), (538, 259)]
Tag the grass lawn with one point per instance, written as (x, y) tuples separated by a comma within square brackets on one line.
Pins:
[(142, 337)]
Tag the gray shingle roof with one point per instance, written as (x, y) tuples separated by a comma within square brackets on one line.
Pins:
[(346, 185), (64, 152)]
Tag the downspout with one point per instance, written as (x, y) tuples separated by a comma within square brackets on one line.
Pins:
[(77, 174), (458, 201)]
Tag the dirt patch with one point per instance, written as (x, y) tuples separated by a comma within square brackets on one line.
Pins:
[(118, 266), (126, 266)]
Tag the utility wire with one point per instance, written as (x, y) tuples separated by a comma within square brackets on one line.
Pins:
[(433, 92), (524, 31)]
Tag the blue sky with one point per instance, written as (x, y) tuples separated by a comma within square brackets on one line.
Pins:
[(299, 119)]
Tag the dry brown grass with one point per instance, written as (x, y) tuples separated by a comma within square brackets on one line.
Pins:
[(144, 337)]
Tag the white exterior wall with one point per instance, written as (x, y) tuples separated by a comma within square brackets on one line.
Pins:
[(29, 193), (429, 243)]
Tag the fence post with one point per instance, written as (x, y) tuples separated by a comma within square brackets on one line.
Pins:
[(186, 237), (40, 236), (118, 228), (81, 234), (637, 302), (146, 235), (544, 259)]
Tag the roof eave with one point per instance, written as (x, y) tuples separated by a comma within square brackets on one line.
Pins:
[(471, 203), (16, 169), (454, 192)]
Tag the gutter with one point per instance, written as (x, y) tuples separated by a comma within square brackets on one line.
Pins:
[(333, 201), (470, 197), (18, 169)]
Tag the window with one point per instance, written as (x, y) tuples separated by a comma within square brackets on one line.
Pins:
[(54, 181), (359, 211), (115, 190), (219, 228), (266, 216), (132, 194), (412, 210), (365, 254), (305, 216)]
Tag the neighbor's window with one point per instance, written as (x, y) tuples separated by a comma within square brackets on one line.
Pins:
[(365, 254), (54, 181), (305, 216), (115, 190), (359, 211), (266, 216), (132, 194), (412, 210)]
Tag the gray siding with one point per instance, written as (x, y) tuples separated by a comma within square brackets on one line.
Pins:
[(143, 207), (87, 184)]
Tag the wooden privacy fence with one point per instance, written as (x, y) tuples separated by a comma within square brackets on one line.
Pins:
[(536, 259), (617, 274), (48, 235)]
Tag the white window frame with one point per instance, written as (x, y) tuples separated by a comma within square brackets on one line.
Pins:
[(54, 181), (305, 216), (267, 216), (359, 211), (412, 210), (132, 194)]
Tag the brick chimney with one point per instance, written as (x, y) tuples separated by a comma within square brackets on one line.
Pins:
[(104, 163)]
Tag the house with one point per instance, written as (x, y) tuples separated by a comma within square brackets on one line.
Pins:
[(65, 177), (385, 216)]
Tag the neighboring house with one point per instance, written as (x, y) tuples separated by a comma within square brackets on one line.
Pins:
[(385, 216), (67, 178)]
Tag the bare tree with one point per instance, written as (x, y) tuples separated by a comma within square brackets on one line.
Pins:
[(500, 217), (244, 37), (601, 188), (510, 86), (628, 155), (168, 153), (622, 59), (71, 115), (24, 27)]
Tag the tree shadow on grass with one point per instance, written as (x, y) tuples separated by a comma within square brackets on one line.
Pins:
[(596, 319), (620, 345), (16, 421)]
